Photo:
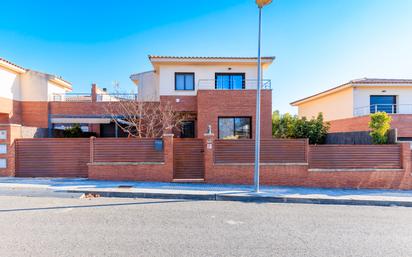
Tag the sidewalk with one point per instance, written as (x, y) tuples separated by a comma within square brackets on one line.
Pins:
[(212, 191)]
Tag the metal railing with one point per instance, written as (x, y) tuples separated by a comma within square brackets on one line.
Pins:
[(71, 97), (116, 97), (388, 108), (209, 84), (87, 97)]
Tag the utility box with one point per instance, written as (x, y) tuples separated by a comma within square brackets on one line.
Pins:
[(158, 145)]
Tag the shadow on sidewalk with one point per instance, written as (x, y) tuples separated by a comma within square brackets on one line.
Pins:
[(89, 206)]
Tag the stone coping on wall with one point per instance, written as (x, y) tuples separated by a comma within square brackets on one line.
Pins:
[(264, 164), (123, 163), (358, 170)]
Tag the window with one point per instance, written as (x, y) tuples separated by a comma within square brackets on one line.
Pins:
[(184, 81), (235, 127), (383, 103), (3, 148), (230, 81), (3, 134), (3, 163)]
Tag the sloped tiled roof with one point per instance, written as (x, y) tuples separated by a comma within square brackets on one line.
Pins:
[(381, 81), (12, 64), (209, 57)]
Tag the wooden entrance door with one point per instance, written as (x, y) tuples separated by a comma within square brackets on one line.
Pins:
[(188, 159)]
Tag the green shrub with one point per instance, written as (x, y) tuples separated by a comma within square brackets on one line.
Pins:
[(74, 131), (288, 126), (380, 124)]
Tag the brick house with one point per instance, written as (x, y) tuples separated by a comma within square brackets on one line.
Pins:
[(347, 107), (219, 92)]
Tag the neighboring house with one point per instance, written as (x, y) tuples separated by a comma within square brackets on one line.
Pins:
[(24, 97), (347, 107)]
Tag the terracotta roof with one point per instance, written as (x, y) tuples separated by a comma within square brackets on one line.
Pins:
[(208, 57), (381, 81), (12, 64), (355, 82)]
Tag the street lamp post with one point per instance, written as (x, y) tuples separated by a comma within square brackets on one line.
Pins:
[(260, 4)]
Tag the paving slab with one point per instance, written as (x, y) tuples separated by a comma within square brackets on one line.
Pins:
[(202, 191)]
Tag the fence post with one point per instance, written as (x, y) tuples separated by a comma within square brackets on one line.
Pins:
[(406, 160), (208, 147), (168, 154), (307, 149), (91, 143)]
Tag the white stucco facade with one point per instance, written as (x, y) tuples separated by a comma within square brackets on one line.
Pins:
[(161, 81), (9, 84), (403, 97), (28, 85), (338, 105), (204, 76)]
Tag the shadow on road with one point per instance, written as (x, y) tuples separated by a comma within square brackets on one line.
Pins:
[(89, 206)]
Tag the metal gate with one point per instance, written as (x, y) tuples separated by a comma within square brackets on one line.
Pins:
[(52, 157), (188, 159)]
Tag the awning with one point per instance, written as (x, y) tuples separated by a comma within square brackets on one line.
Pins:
[(80, 120)]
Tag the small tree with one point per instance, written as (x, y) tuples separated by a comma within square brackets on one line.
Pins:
[(145, 119), (283, 125), (380, 124)]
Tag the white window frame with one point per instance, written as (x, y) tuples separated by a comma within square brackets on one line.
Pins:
[(3, 134), (3, 148), (3, 163)]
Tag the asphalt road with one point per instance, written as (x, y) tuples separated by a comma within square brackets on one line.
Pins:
[(51, 226)]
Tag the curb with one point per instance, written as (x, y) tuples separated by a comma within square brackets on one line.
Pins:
[(245, 198)]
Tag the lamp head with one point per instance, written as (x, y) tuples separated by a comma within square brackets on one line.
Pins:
[(262, 3)]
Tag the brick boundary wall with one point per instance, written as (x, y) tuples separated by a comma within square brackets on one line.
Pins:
[(299, 174), (140, 171), (280, 174)]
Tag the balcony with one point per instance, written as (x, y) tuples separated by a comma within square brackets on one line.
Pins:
[(210, 84), (388, 108)]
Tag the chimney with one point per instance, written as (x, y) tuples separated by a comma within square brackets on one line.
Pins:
[(94, 93)]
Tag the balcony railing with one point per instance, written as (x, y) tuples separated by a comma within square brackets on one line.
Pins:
[(72, 97), (115, 97), (388, 108), (87, 97), (208, 84)]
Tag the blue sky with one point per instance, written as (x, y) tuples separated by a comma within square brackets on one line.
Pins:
[(318, 43)]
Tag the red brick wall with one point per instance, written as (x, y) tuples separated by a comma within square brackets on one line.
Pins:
[(212, 104), (402, 122), (78, 108), (350, 124), (186, 103), (35, 114)]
